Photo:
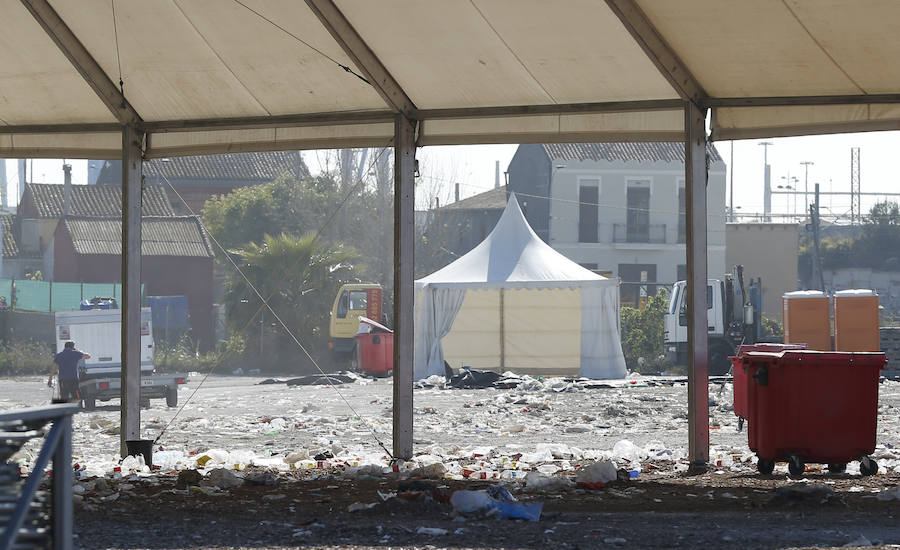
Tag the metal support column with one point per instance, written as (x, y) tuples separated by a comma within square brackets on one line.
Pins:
[(132, 159), (698, 368), (62, 487), (404, 314)]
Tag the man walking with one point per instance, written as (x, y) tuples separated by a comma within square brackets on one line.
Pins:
[(66, 364)]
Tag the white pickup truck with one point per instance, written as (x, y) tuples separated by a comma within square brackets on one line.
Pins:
[(98, 333)]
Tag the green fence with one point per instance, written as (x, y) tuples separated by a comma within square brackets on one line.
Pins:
[(46, 296)]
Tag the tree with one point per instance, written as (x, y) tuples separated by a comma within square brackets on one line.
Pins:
[(642, 333), (299, 277)]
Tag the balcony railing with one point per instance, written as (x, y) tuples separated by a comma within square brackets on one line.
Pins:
[(648, 233)]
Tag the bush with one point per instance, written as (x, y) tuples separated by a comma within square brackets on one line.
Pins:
[(642, 334), (184, 356), (25, 358)]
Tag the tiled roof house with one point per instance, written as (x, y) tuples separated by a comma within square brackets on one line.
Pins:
[(197, 179), (176, 260)]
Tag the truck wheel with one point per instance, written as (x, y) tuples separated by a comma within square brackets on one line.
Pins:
[(719, 364), (90, 403), (837, 467), (172, 396), (353, 361)]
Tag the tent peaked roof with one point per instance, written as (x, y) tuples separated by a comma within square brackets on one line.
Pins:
[(512, 253)]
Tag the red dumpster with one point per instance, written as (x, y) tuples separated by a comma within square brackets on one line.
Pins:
[(740, 372), (808, 406), (374, 348)]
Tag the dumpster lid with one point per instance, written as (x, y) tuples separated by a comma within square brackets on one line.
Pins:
[(856, 292), (805, 294), (371, 326), (823, 358)]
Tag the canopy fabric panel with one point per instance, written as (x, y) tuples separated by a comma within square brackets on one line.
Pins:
[(512, 256), (473, 71)]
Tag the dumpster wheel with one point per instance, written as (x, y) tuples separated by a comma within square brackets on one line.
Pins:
[(796, 466), (765, 466), (867, 466), (837, 467)]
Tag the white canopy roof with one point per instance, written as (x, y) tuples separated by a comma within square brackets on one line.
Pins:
[(206, 76), (512, 256)]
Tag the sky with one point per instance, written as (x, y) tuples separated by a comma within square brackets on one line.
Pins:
[(472, 166)]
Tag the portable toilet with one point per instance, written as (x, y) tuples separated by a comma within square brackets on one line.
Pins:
[(856, 321), (807, 319)]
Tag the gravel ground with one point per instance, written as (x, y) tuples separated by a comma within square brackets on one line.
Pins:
[(253, 431)]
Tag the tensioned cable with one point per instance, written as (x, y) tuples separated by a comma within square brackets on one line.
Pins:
[(304, 42), (265, 304), (118, 56)]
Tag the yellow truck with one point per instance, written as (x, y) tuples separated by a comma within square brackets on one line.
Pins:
[(352, 302)]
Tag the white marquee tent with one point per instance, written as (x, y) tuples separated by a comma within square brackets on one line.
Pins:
[(514, 303)]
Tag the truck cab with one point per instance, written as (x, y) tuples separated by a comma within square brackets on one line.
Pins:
[(676, 326), (732, 319), (352, 302)]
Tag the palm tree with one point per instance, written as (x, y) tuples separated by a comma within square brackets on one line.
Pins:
[(298, 277)]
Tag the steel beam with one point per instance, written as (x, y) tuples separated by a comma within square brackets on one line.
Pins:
[(132, 161), (798, 101), (658, 51), (363, 57), (404, 314), (695, 199), (82, 60)]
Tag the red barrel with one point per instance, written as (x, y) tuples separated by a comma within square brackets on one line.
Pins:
[(374, 348)]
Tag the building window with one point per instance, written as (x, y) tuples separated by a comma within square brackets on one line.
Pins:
[(637, 284), (591, 266), (588, 211), (681, 272), (682, 214), (637, 221)]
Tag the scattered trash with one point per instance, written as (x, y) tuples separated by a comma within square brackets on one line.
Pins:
[(889, 494), (357, 506), (804, 491), (536, 481), (860, 541), (322, 379), (431, 531), (602, 472), (480, 503), (187, 478), (222, 478)]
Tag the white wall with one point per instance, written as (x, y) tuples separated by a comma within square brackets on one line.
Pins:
[(665, 179)]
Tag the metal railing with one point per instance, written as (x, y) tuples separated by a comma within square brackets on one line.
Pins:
[(640, 233), (30, 518)]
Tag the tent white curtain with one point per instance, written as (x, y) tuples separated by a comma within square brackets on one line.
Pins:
[(443, 304), (601, 352)]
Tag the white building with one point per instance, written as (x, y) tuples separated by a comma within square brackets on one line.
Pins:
[(618, 208)]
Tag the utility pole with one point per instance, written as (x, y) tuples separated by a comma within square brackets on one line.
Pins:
[(806, 164), (767, 179), (731, 177), (855, 213), (818, 276)]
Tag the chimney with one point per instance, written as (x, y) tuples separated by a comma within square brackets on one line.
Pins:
[(457, 192), (496, 174), (67, 189), (21, 179)]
